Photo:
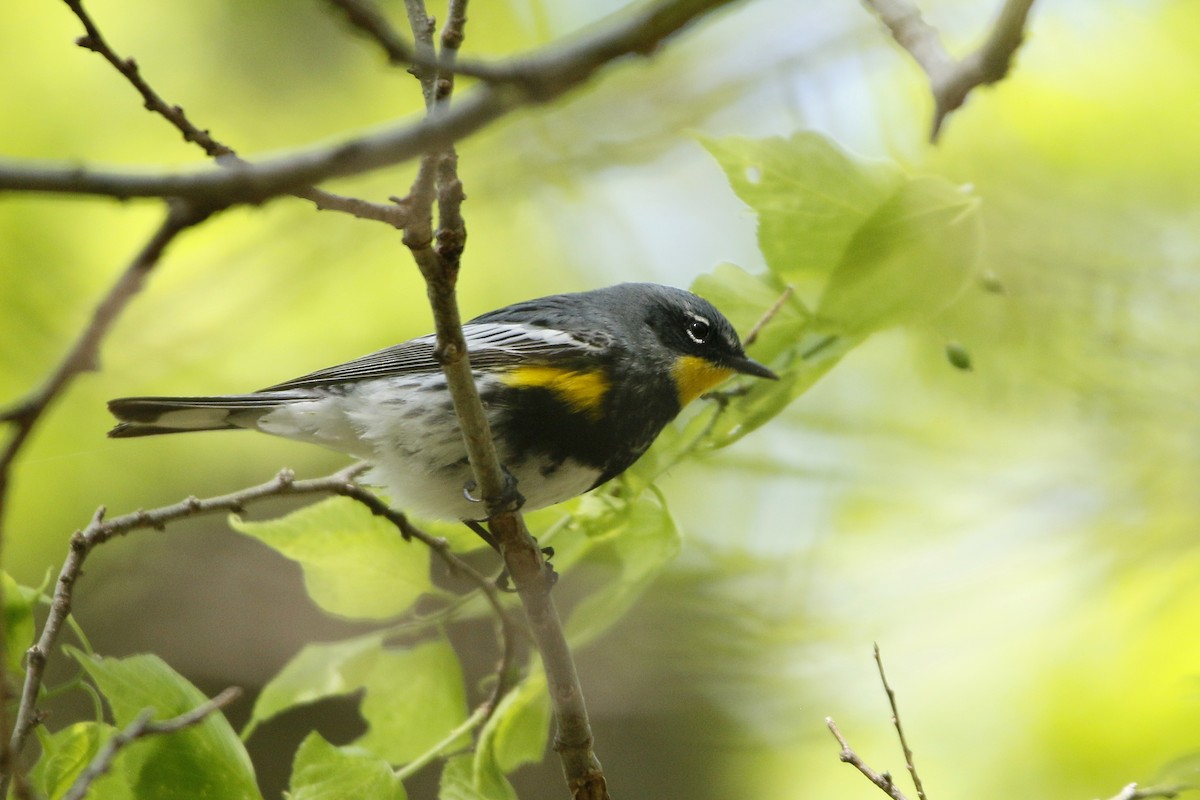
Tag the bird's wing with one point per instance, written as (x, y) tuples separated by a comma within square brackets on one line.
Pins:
[(490, 344)]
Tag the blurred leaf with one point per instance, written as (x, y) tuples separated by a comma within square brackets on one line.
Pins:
[(66, 753), (316, 672), (324, 772), (461, 780), (644, 537), (517, 731), (909, 260), (422, 683), (355, 564), (19, 628), (880, 248), (958, 356), (205, 760), (811, 197)]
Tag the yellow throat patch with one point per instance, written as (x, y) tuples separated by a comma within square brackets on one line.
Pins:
[(694, 376), (583, 392)]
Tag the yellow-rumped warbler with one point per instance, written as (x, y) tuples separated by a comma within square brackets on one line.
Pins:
[(576, 387)]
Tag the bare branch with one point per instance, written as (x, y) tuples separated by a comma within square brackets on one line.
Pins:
[(100, 530), (908, 756), (537, 78), (394, 215), (438, 256), (371, 21), (140, 728), (883, 781), (952, 80)]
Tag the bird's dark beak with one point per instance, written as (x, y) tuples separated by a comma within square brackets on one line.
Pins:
[(748, 366)]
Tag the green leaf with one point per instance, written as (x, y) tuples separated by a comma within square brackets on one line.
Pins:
[(355, 564), (206, 760), (462, 779), (66, 753), (324, 772), (876, 247), (910, 260), (19, 627), (644, 539), (318, 671), (517, 731), (424, 684), (811, 197)]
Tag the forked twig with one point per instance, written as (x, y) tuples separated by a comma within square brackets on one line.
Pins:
[(950, 79)]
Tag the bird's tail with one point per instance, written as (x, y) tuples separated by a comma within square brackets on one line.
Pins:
[(150, 416)]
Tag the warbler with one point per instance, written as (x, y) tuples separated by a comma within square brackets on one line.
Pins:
[(575, 386)]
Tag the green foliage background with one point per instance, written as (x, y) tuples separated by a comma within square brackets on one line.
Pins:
[(1020, 539)]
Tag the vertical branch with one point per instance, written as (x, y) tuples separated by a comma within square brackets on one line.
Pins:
[(438, 257), (908, 754)]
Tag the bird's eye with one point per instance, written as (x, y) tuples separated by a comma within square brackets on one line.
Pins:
[(698, 330)]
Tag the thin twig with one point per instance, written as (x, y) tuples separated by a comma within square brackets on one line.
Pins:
[(422, 26), (545, 75), (100, 530), (908, 755), (392, 214), (769, 315), (883, 781), (951, 80), (140, 728), (372, 22)]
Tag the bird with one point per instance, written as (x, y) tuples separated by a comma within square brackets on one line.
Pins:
[(576, 387)]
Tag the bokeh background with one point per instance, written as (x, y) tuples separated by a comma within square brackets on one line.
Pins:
[(1022, 540)]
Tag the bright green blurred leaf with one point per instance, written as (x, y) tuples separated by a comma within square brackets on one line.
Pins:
[(206, 760), (422, 683), (644, 538), (462, 780), (318, 671), (355, 564), (324, 772), (19, 628), (517, 731), (66, 753), (910, 260), (811, 197)]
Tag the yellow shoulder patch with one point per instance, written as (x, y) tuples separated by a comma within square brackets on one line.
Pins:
[(582, 391), (694, 376)]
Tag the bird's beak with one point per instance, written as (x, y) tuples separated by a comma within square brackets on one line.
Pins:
[(748, 366)]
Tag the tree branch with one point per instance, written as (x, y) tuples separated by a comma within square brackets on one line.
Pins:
[(908, 756), (882, 780), (140, 728), (394, 215), (952, 80), (438, 257), (99, 531), (537, 78)]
